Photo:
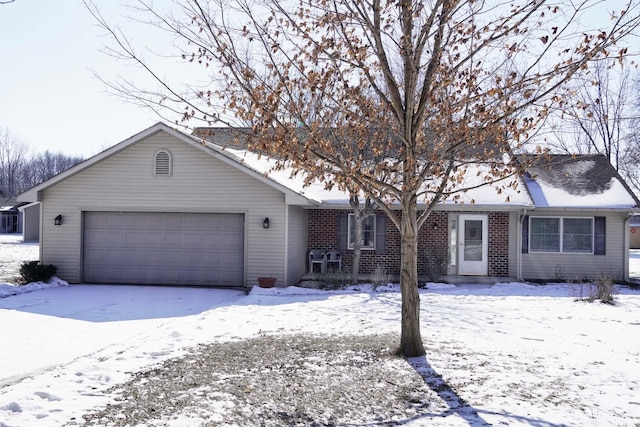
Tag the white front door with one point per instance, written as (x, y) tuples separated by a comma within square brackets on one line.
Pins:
[(473, 245)]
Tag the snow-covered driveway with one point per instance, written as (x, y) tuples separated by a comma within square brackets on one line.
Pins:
[(55, 326), (64, 343)]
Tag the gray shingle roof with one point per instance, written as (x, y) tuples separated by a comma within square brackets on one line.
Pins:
[(571, 178)]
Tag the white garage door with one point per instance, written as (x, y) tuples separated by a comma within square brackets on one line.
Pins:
[(163, 248)]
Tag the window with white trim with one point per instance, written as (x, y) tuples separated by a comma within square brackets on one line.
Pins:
[(368, 232), (162, 163), (577, 235), (551, 234)]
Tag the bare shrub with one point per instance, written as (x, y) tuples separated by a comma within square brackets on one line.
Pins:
[(334, 280), (604, 288), (437, 262), (559, 275), (379, 277)]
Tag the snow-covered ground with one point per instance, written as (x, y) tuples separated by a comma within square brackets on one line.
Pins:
[(517, 354), (12, 254)]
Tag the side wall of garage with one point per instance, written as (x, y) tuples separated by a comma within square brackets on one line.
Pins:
[(198, 183), (297, 246)]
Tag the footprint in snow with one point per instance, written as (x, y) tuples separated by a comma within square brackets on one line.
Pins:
[(48, 396), (12, 407)]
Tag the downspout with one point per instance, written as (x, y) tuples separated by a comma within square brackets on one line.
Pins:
[(627, 243), (286, 246), (519, 246)]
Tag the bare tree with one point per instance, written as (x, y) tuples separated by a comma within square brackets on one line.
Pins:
[(425, 89), (598, 118), (42, 166), (13, 154), (630, 165), (20, 170)]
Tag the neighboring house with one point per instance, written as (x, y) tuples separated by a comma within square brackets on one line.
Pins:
[(10, 216), (163, 207)]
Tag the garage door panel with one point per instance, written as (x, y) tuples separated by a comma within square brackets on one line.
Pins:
[(132, 220), (153, 222), (115, 219), (153, 239), (133, 257), (164, 248), (193, 260), (111, 256), (95, 238), (127, 274), (233, 221), (231, 243), (115, 239), (229, 276), (194, 240), (195, 222), (94, 255), (193, 276), (134, 238), (174, 222), (173, 238), (228, 263)]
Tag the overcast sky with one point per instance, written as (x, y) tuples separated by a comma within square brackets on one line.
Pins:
[(49, 97)]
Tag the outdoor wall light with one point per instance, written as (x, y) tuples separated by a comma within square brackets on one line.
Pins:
[(435, 225), (57, 220), (266, 223)]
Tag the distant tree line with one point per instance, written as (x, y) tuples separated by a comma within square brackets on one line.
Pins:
[(20, 169)]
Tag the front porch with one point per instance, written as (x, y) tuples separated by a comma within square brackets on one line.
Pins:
[(395, 278)]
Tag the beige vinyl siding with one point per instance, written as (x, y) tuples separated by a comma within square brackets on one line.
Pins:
[(198, 183), (297, 244), (31, 223), (570, 266)]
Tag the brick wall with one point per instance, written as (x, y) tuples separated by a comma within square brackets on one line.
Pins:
[(433, 238), (498, 244)]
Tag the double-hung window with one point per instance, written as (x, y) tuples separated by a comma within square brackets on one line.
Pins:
[(572, 235), (368, 240), (577, 235)]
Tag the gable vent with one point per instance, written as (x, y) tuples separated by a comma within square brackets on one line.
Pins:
[(163, 163)]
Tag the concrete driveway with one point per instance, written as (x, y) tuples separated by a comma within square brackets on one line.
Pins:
[(52, 327)]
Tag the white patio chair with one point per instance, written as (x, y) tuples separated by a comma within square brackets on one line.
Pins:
[(334, 257), (317, 256)]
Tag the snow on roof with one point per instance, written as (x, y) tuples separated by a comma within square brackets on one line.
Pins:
[(496, 194), (559, 181), (488, 195), (578, 181), (286, 177)]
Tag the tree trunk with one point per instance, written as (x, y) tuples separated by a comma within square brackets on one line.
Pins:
[(410, 339)]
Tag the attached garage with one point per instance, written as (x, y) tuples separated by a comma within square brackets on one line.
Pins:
[(163, 248), (165, 208)]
